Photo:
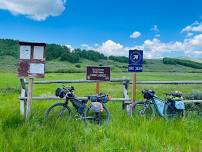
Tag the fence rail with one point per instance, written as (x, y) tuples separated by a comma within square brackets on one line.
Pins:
[(74, 81), (83, 98), (126, 100), (117, 80)]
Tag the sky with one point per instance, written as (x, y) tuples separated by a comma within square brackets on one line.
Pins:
[(161, 28)]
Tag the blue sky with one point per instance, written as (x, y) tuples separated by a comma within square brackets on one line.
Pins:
[(159, 27)]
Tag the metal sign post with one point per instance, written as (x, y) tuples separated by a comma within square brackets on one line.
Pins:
[(135, 65), (98, 74)]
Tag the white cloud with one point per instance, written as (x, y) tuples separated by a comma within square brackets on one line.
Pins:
[(35, 9), (70, 47), (110, 47), (87, 47), (155, 48), (155, 29), (189, 34), (190, 46), (135, 35), (194, 27)]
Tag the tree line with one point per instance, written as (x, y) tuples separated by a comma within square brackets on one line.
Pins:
[(183, 62)]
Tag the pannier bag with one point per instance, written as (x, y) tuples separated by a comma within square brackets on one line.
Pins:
[(179, 105), (96, 106), (60, 93), (160, 106)]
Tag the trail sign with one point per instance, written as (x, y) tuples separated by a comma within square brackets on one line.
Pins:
[(98, 73), (135, 65), (32, 60), (135, 68), (135, 61)]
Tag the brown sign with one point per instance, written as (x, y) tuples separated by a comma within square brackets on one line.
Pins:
[(32, 60), (98, 73)]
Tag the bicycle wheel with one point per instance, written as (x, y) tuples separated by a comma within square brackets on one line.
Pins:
[(170, 112), (100, 118), (58, 111), (144, 109)]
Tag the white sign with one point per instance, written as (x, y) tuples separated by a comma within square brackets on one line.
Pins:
[(36, 68), (38, 52), (25, 52)]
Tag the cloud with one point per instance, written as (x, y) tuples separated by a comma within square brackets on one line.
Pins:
[(110, 47), (155, 29), (189, 34), (70, 47), (135, 35), (155, 48), (35, 9), (194, 27), (190, 46)]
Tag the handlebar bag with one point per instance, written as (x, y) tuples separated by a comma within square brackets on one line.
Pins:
[(179, 105), (59, 93)]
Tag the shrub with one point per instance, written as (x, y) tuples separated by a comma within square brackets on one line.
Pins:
[(78, 66)]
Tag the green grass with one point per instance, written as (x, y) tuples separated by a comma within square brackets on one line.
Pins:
[(123, 133), (9, 64)]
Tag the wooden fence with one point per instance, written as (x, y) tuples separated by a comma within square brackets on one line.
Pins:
[(126, 101)]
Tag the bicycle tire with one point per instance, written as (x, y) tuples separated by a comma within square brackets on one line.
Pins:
[(100, 118), (63, 110), (140, 111)]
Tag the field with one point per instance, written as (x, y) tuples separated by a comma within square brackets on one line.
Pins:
[(122, 134)]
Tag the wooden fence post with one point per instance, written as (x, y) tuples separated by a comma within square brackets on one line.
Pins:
[(29, 99), (97, 87), (126, 105), (23, 95)]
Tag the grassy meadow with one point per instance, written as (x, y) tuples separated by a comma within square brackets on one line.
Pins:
[(122, 134)]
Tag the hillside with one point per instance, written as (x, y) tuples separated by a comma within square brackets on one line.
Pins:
[(60, 59)]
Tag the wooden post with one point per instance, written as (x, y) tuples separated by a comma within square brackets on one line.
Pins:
[(22, 102), (23, 95), (130, 109), (97, 87), (125, 93), (29, 99), (134, 88)]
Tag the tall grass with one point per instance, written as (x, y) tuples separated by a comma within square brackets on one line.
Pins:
[(123, 133)]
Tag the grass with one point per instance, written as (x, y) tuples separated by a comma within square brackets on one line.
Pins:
[(123, 133), (57, 66)]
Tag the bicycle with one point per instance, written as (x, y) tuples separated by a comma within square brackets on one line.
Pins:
[(153, 106), (95, 112)]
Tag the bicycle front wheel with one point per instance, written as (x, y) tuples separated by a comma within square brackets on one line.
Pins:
[(58, 111), (143, 109), (100, 118)]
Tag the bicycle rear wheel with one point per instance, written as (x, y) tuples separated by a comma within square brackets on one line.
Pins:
[(144, 109), (58, 111), (100, 118)]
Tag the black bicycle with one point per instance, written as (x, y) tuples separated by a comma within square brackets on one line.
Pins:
[(173, 106), (95, 112)]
